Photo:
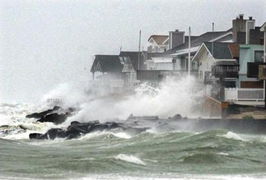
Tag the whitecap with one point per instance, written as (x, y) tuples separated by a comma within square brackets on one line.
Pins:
[(223, 153), (232, 135), (121, 135), (130, 159)]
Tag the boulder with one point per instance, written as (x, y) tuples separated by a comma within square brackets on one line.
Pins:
[(43, 113), (76, 129), (37, 136), (176, 117), (54, 118), (52, 115)]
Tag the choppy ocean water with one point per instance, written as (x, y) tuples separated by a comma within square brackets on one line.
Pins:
[(116, 154)]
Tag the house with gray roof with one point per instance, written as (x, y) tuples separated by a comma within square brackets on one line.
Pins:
[(216, 60), (106, 64)]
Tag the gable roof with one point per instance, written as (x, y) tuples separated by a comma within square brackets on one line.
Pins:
[(159, 39), (234, 49), (106, 63), (263, 27), (219, 50)]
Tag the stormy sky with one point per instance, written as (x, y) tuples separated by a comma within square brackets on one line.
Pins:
[(48, 42)]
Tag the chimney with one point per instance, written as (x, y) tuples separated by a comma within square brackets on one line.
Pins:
[(250, 24), (250, 17), (238, 25), (176, 38)]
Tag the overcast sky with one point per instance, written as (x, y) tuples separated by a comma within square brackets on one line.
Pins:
[(47, 42)]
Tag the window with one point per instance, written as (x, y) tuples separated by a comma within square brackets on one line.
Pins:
[(258, 56)]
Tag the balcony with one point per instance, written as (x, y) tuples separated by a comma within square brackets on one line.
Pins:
[(244, 94), (225, 69)]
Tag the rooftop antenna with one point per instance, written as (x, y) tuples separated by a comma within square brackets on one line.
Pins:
[(139, 49), (189, 46)]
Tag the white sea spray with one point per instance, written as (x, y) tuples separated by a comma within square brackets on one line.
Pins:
[(130, 158)]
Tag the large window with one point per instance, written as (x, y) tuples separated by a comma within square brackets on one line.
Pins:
[(258, 56)]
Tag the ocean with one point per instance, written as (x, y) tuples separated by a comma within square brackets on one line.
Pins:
[(163, 152)]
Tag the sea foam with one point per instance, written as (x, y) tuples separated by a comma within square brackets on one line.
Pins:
[(232, 135), (130, 159)]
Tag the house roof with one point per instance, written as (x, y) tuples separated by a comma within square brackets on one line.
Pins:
[(106, 63), (234, 49), (133, 56), (205, 37), (263, 27), (159, 39), (219, 50)]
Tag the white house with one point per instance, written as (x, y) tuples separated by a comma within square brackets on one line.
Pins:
[(158, 43), (211, 54)]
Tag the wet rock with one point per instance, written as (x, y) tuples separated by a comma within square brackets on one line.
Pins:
[(36, 136), (57, 115), (176, 117), (55, 133), (43, 113), (76, 129), (54, 118)]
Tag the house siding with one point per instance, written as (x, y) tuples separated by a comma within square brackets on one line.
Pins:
[(205, 64), (246, 55)]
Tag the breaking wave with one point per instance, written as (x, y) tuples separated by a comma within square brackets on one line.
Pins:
[(173, 96), (130, 159)]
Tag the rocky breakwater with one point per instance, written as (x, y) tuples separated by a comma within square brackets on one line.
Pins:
[(56, 115), (76, 129)]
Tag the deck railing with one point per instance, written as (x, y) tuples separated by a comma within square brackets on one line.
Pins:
[(244, 94)]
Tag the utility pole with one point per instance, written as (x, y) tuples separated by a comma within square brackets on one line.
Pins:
[(139, 50), (212, 35), (189, 46)]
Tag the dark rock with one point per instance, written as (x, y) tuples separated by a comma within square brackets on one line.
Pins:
[(52, 115), (36, 136), (43, 113), (54, 118), (56, 133), (76, 129), (177, 117)]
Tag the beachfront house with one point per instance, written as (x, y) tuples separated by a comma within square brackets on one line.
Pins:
[(217, 66), (107, 73), (132, 61), (158, 43), (214, 60)]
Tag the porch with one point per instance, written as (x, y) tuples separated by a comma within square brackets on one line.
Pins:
[(245, 96)]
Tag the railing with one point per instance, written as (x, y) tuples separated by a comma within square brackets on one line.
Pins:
[(244, 94), (225, 71)]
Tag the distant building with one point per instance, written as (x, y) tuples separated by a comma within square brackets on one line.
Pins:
[(158, 43)]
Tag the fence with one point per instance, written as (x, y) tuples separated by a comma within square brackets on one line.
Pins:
[(244, 94)]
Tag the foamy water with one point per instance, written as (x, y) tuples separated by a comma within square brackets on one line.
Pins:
[(130, 159), (164, 150)]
